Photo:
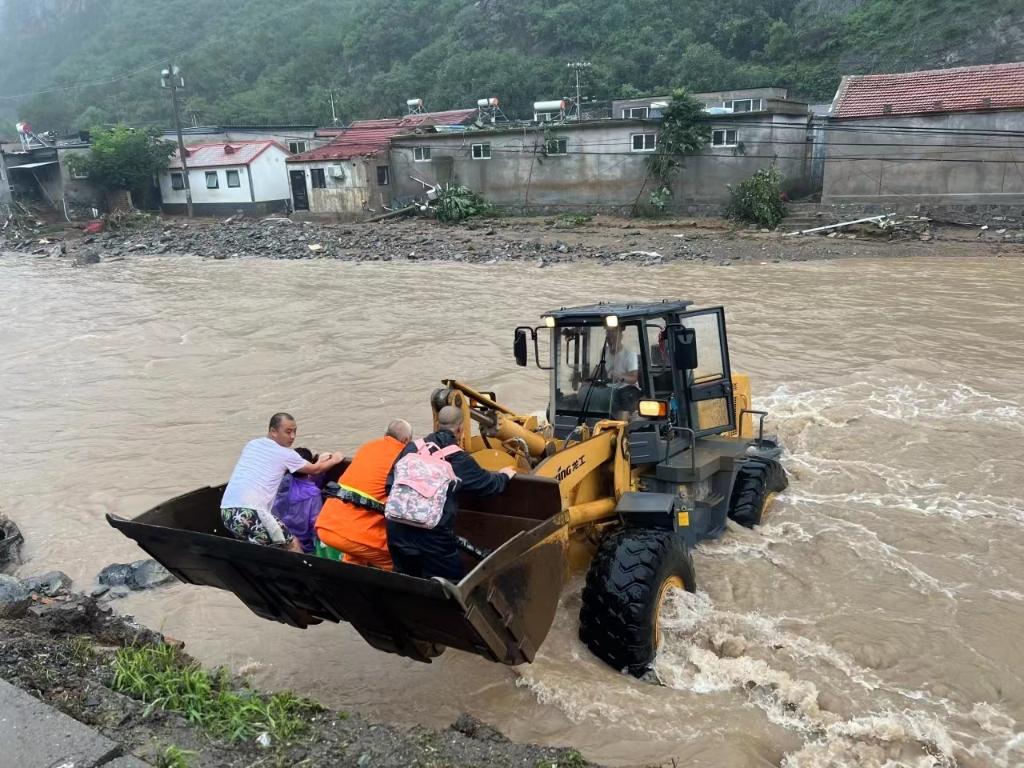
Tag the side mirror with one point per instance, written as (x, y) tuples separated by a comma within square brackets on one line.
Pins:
[(519, 347), (684, 349)]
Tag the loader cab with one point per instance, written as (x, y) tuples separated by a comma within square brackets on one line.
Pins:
[(657, 365)]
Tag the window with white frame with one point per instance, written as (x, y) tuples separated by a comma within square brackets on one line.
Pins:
[(644, 142), (78, 173), (481, 151), (177, 181), (212, 182), (421, 154), (724, 138), (556, 147), (744, 105), (636, 112), (233, 179), (296, 147)]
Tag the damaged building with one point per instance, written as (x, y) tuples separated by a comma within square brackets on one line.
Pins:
[(351, 176)]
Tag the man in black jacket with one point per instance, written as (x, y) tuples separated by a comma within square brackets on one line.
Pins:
[(434, 552)]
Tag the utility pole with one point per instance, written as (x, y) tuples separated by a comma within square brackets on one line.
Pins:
[(578, 66), (172, 78), (334, 115)]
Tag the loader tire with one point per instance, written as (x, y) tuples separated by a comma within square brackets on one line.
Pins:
[(626, 585), (757, 479)]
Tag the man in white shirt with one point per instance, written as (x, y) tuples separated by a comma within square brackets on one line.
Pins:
[(622, 363), (249, 496)]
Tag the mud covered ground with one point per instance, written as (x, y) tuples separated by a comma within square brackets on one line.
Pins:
[(62, 652), (535, 241)]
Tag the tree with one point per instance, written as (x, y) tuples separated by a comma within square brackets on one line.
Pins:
[(124, 158), (683, 130)]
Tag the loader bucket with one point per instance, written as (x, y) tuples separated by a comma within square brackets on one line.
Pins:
[(501, 610)]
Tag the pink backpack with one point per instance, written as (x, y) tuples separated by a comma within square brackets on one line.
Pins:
[(421, 485)]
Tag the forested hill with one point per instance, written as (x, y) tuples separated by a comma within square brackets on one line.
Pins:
[(278, 60)]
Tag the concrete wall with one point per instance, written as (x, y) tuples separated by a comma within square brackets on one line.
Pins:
[(5, 184), (264, 180), (79, 193), (600, 171), (353, 196), (709, 98), (867, 164)]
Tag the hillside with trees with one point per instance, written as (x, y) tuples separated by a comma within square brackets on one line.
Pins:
[(73, 64)]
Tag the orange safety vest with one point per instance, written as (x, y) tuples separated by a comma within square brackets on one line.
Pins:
[(366, 475)]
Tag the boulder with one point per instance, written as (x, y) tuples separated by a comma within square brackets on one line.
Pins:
[(10, 544), (49, 584), (14, 598), (142, 574)]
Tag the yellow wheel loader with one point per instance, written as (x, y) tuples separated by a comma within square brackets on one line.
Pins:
[(648, 445)]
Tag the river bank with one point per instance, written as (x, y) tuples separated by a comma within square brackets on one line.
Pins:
[(536, 242), (142, 692)]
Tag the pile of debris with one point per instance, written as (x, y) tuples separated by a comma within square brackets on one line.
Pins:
[(886, 226)]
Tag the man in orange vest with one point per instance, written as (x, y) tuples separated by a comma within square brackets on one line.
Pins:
[(351, 526)]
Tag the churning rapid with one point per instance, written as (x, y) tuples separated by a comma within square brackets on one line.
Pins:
[(876, 618)]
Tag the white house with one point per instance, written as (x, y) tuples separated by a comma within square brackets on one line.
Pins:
[(241, 175)]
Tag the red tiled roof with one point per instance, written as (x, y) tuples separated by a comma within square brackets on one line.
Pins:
[(963, 89), (213, 155), (368, 137)]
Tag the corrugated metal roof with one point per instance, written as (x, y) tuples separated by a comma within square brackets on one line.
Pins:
[(370, 137), (224, 153), (963, 89)]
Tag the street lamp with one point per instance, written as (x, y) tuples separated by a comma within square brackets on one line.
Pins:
[(173, 79)]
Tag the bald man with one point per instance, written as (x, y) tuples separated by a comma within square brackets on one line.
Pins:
[(351, 527), (433, 552)]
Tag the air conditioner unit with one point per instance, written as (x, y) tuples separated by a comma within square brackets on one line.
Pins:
[(337, 171)]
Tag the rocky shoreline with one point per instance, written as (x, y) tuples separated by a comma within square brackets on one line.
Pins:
[(68, 650), (536, 242)]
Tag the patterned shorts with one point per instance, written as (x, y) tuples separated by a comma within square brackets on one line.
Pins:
[(254, 526)]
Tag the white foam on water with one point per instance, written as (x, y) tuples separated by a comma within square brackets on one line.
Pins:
[(957, 506), (910, 739), (897, 400), (706, 651)]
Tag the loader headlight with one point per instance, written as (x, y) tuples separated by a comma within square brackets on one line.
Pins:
[(549, 321), (654, 409), (612, 321)]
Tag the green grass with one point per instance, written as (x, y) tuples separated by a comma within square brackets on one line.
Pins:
[(158, 676), (174, 757), (569, 759)]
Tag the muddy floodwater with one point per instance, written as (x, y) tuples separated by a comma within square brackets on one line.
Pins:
[(877, 616)]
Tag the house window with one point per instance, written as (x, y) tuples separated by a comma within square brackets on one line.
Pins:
[(636, 112), (319, 178), (644, 142), (383, 175), (233, 179), (556, 147), (177, 181), (481, 151), (723, 138), (296, 147), (744, 105), (77, 173), (421, 154), (211, 180)]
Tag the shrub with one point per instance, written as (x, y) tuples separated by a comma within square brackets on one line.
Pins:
[(457, 203), (758, 200)]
